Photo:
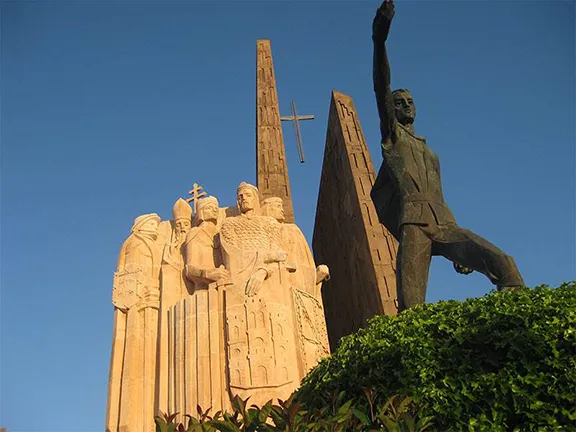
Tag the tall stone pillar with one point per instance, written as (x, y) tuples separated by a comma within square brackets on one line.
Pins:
[(271, 168), (348, 237)]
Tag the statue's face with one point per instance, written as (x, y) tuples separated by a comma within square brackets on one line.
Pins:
[(183, 225), (208, 212), (149, 229), (150, 226), (246, 199), (404, 107), (276, 210)]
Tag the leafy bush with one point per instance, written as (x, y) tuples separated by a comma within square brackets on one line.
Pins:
[(503, 362), (396, 415)]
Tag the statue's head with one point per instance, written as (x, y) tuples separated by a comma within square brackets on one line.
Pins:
[(248, 198), (207, 209), (273, 207), (182, 214), (147, 225), (404, 106)]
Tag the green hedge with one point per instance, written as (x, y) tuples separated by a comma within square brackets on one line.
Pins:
[(395, 415), (503, 362)]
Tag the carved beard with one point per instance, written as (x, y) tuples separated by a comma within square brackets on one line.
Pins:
[(245, 207), (181, 235), (255, 207)]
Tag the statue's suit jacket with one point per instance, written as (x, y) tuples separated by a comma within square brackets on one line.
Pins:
[(407, 189)]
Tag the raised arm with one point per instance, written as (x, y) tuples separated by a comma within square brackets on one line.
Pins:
[(384, 99)]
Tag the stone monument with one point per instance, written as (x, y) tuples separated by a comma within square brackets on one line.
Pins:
[(348, 237), (219, 301), (236, 306), (408, 195)]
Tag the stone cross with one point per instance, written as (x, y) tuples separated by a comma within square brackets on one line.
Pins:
[(197, 192), (296, 118)]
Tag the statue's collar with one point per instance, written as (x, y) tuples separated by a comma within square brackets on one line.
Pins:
[(421, 138)]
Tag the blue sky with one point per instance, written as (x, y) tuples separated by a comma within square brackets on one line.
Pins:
[(113, 109)]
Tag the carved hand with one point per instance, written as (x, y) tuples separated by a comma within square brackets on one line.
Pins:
[(276, 256), (175, 247), (217, 274), (322, 273), (151, 296), (382, 21), (461, 269), (280, 256), (255, 282)]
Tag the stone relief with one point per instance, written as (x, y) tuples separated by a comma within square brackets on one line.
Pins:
[(237, 308)]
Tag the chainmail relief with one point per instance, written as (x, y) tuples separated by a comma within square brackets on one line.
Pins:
[(251, 233)]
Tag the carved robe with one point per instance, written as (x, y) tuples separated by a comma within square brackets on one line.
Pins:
[(307, 298), (132, 372), (197, 372), (202, 253), (261, 333), (174, 287)]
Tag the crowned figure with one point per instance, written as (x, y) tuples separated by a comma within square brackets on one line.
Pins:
[(261, 345)]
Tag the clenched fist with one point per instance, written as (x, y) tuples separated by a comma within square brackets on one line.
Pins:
[(382, 21)]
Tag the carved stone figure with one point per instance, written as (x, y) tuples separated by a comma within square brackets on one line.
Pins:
[(173, 287), (136, 300), (305, 280), (203, 255), (260, 318), (305, 274), (408, 195), (196, 353)]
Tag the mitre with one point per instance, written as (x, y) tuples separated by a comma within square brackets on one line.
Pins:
[(181, 210)]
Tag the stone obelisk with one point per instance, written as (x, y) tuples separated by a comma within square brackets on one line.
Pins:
[(348, 237), (271, 167)]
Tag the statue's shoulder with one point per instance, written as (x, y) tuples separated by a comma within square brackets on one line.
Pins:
[(193, 233), (270, 224), (231, 223), (133, 241), (246, 221), (230, 228), (268, 220), (126, 245), (291, 228), (402, 131)]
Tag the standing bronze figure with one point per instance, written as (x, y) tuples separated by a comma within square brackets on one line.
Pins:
[(408, 196)]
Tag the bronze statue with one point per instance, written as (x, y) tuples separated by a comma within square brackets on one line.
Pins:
[(408, 196)]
